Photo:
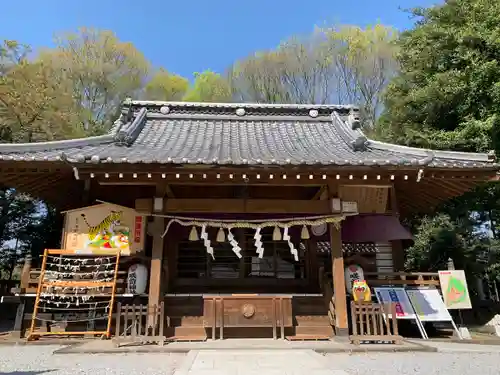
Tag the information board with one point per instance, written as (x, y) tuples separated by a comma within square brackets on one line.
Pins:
[(404, 309), (455, 290), (428, 305)]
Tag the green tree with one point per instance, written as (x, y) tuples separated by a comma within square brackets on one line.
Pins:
[(447, 96), (448, 92), (35, 105), (166, 86), (365, 60), (340, 64), (208, 87), (103, 71)]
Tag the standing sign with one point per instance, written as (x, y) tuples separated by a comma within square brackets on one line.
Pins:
[(404, 308), (454, 289), (428, 305)]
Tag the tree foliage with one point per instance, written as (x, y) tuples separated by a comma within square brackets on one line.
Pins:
[(102, 70), (208, 86), (166, 86), (34, 104), (341, 64), (448, 92)]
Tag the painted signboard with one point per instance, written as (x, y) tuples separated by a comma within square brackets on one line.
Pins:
[(454, 289), (404, 309), (428, 305), (104, 227)]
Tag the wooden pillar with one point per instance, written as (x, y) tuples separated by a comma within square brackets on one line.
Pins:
[(312, 262), (17, 332), (25, 274), (86, 193), (398, 256), (155, 297), (339, 290)]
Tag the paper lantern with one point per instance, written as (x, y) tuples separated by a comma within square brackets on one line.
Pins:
[(353, 273), (137, 279)]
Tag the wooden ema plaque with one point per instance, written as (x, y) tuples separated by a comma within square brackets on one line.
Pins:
[(102, 228)]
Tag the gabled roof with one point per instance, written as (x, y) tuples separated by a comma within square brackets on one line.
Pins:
[(239, 134)]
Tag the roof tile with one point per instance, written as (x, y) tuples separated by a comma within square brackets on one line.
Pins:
[(201, 133)]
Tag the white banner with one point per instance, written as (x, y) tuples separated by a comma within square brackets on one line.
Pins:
[(428, 305)]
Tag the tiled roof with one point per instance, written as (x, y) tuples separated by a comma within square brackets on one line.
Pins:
[(238, 134)]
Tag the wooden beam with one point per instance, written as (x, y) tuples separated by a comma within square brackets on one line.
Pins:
[(169, 192), (319, 193), (249, 206), (127, 183)]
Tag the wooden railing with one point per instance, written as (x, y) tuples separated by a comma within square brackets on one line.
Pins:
[(132, 324), (402, 278), (374, 322), (327, 289)]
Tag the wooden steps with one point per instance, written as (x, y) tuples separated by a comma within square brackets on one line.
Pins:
[(308, 338), (187, 338)]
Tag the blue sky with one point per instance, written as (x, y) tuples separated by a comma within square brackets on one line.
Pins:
[(189, 36)]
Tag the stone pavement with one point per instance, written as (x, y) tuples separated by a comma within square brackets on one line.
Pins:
[(261, 362)]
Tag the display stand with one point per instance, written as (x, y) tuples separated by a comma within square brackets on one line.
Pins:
[(404, 308), (429, 306), (71, 284)]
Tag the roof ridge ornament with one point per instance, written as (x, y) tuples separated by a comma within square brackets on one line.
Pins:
[(360, 144), (353, 119), (129, 132)]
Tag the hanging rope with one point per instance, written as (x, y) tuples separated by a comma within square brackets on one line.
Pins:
[(252, 224)]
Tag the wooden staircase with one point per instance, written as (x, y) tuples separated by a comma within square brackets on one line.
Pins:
[(311, 319), (311, 322), (185, 319)]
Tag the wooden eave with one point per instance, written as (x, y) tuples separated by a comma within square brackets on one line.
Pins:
[(55, 181)]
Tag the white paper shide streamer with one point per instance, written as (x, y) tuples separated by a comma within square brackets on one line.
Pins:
[(234, 243), (293, 250), (206, 241), (258, 243)]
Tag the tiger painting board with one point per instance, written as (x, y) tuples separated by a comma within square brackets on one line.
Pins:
[(103, 228), (404, 308)]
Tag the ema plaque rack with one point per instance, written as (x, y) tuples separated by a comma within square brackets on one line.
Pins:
[(75, 287)]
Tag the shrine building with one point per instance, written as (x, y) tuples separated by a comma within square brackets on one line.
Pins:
[(255, 210)]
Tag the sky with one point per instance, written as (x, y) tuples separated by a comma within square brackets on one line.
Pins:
[(192, 36)]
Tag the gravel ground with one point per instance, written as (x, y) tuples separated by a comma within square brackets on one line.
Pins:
[(417, 363), (34, 360)]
